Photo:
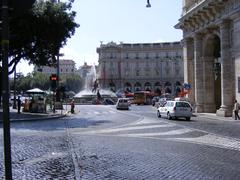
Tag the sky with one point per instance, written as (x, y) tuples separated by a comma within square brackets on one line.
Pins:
[(127, 21)]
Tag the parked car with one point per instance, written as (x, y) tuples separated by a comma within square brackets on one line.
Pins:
[(122, 103), (175, 109)]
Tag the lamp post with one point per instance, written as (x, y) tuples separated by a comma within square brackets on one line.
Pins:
[(148, 5)]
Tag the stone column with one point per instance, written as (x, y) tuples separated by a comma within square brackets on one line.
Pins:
[(198, 72), (208, 82), (226, 71), (188, 56)]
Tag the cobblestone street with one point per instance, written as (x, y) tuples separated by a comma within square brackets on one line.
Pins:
[(99, 142), (40, 152)]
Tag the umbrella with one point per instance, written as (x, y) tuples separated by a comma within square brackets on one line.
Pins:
[(35, 91)]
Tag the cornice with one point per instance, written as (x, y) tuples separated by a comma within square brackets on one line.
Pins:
[(209, 14)]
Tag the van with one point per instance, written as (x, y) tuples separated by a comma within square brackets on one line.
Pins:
[(122, 103)]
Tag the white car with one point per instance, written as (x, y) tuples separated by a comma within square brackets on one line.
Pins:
[(175, 109), (122, 103)]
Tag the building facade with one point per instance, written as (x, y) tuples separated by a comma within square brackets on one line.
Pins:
[(66, 66), (156, 67), (84, 70), (211, 51)]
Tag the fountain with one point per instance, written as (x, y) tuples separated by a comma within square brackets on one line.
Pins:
[(91, 90)]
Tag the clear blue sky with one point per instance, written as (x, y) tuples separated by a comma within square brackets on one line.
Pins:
[(128, 21)]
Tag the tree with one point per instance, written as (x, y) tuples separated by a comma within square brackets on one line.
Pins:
[(38, 34), (72, 82)]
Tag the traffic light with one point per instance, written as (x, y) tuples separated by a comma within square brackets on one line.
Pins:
[(53, 79)]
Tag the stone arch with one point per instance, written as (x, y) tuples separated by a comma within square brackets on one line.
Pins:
[(137, 86), (128, 87), (212, 72), (158, 88), (168, 87), (147, 86), (178, 88), (112, 86)]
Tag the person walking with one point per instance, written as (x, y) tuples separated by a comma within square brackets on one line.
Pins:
[(236, 109), (19, 104), (72, 106)]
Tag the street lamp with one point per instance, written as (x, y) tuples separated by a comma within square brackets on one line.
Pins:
[(148, 5)]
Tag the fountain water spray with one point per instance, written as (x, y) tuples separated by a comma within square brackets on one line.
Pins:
[(91, 87)]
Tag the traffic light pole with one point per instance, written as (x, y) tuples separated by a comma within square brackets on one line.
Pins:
[(5, 91)]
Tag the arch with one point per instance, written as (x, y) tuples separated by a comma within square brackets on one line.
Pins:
[(168, 87), (137, 86), (212, 72), (147, 86), (112, 86), (167, 84), (158, 88), (212, 46), (178, 83), (128, 87)]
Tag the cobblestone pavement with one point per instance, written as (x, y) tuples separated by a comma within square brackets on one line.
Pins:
[(152, 148), (40, 150), (99, 142)]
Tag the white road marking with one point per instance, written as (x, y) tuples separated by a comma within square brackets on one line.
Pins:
[(127, 129), (173, 132)]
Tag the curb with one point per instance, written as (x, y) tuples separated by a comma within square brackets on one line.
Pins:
[(37, 118), (213, 117)]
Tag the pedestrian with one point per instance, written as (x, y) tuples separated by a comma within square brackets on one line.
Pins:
[(19, 104), (72, 106), (236, 109)]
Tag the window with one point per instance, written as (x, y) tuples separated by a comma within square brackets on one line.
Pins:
[(126, 57), (147, 56), (137, 56), (137, 72)]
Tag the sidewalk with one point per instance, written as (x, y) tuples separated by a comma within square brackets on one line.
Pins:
[(213, 116), (26, 116)]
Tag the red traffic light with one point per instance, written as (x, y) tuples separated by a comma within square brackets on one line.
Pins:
[(53, 77)]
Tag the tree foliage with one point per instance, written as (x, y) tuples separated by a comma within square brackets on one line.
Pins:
[(71, 82), (38, 34)]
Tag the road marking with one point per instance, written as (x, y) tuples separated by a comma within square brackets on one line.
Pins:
[(127, 129), (173, 132)]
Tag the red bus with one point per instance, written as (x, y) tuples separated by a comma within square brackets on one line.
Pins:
[(143, 97)]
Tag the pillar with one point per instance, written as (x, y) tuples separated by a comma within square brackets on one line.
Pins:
[(208, 83), (226, 71), (188, 63), (198, 73)]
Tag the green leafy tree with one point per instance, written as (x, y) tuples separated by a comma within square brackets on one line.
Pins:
[(72, 82), (38, 34)]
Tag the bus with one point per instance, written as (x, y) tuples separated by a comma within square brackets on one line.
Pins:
[(143, 97)]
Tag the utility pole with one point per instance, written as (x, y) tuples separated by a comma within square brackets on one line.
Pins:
[(5, 91)]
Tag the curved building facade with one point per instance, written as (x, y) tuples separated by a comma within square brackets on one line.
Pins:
[(155, 67)]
